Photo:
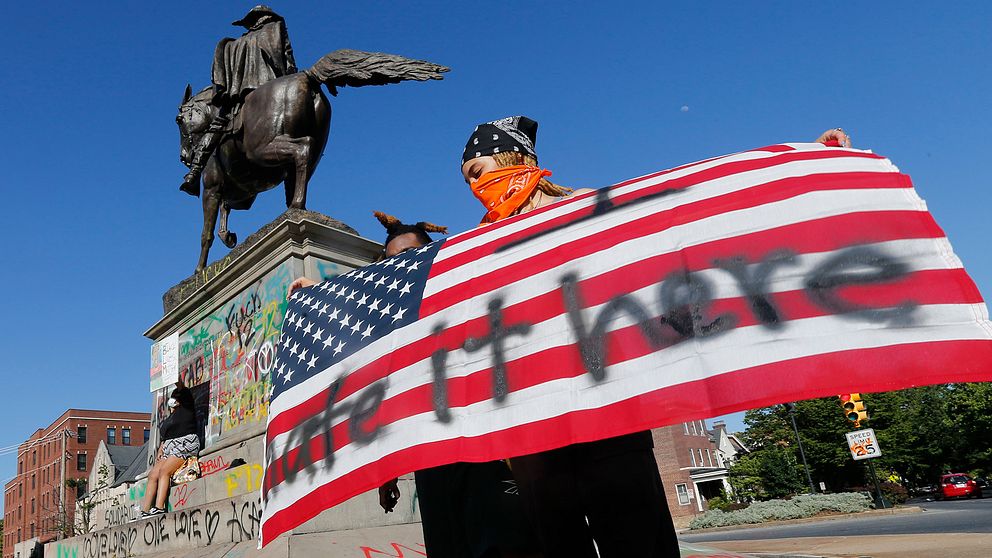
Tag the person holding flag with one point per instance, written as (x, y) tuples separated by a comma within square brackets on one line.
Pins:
[(603, 498)]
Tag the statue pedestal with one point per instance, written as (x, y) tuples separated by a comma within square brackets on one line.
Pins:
[(225, 323), (228, 319)]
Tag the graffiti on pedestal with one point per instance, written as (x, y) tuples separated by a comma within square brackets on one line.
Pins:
[(227, 355), (235, 522)]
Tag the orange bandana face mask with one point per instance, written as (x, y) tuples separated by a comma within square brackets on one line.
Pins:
[(504, 191)]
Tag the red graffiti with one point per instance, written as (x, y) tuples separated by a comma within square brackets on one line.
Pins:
[(183, 492), (398, 548), (211, 466)]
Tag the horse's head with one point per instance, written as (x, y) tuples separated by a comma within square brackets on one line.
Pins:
[(195, 114)]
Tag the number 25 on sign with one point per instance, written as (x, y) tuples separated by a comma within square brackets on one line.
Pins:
[(863, 444)]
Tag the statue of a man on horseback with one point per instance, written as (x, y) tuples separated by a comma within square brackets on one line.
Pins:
[(240, 66), (262, 122)]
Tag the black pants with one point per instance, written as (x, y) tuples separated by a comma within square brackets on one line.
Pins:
[(473, 510), (616, 486)]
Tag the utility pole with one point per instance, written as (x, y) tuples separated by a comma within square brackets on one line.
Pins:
[(791, 408)]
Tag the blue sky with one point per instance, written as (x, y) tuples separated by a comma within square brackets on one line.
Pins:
[(95, 229)]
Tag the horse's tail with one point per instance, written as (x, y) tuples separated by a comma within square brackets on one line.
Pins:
[(355, 68)]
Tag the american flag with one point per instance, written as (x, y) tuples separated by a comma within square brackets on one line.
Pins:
[(783, 273)]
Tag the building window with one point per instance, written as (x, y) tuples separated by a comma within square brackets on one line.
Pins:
[(81, 434), (702, 428), (32, 507), (126, 436), (111, 436), (693, 428), (34, 458), (683, 492), (709, 457), (701, 462), (692, 456), (80, 461), (685, 426), (32, 481), (145, 434), (32, 530)]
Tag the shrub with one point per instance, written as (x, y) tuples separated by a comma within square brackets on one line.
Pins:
[(806, 505), (718, 503), (895, 493)]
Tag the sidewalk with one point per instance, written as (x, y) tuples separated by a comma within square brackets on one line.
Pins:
[(944, 545)]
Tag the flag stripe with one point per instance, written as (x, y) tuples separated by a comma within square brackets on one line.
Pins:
[(761, 386)]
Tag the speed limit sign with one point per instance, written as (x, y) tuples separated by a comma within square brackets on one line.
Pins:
[(863, 444)]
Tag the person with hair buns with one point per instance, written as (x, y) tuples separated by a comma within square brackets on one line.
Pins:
[(602, 498), (400, 237), (466, 509)]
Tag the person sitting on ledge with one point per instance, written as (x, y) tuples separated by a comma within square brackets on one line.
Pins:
[(180, 441)]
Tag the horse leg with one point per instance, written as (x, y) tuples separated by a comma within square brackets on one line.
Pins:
[(211, 204), (227, 237), (284, 150), (302, 175)]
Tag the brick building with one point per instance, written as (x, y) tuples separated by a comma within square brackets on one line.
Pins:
[(693, 466), (63, 450)]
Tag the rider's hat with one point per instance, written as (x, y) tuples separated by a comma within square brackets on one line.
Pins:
[(254, 15)]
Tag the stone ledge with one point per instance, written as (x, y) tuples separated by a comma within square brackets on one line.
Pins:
[(185, 288)]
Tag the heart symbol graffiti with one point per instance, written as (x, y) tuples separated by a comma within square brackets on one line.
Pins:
[(213, 520)]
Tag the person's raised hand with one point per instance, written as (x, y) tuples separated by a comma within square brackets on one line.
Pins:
[(835, 134), (299, 283)]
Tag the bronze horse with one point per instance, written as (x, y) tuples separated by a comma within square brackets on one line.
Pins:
[(279, 133)]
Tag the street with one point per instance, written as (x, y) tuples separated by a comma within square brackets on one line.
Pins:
[(954, 516)]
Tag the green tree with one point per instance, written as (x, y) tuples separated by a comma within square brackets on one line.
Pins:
[(779, 472), (923, 432), (745, 478), (912, 427), (970, 409), (821, 425)]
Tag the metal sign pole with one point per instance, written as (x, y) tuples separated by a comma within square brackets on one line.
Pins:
[(878, 489)]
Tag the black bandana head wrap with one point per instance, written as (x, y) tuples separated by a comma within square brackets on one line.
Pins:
[(514, 133), (395, 227)]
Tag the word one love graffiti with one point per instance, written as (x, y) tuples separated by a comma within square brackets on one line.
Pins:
[(777, 274)]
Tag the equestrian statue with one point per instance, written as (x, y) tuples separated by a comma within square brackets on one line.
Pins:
[(261, 122)]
